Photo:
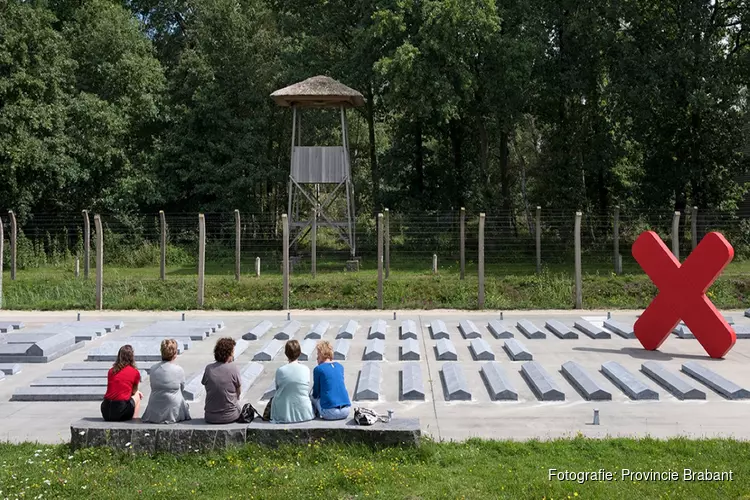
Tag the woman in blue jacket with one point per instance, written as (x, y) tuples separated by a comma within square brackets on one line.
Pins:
[(329, 396)]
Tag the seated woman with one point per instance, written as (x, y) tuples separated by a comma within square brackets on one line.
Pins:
[(166, 404), (329, 394), (291, 402), (222, 381), (122, 400)]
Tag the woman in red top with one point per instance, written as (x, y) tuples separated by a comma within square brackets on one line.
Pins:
[(123, 399)]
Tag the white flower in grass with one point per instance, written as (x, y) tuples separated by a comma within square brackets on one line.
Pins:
[(47, 482), (128, 444), (146, 435), (82, 433)]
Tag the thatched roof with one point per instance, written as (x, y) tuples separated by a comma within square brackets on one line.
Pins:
[(318, 91)]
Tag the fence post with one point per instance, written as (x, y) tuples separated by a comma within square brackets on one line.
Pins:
[(257, 267), (462, 238), (380, 261), (99, 261), (2, 244), (387, 242), (77, 269), (579, 292), (538, 231), (434, 263), (285, 258), (86, 244), (13, 247), (237, 244), (314, 244), (480, 262), (694, 227), (163, 245), (201, 258), (676, 235), (616, 239)]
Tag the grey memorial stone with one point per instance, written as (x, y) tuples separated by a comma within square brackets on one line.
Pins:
[(59, 394), (497, 382), (530, 330), (620, 329), (409, 350), (454, 383), (591, 330), (725, 387), (70, 382), (248, 375), (7, 326), (412, 386), (517, 351), (541, 382), (445, 350), (194, 390), (742, 331), (52, 344), (584, 383), (468, 329), (10, 368), (318, 330), (341, 349), (196, 334), (377, 330), (560, 330), (481, 350), (27, 338), (44, 351), (144, 350), (499, 329), (99, 373), (96, 365), (671, 382), (269, 392), (626, 381), (368, 384), (747, 313), (438, 330), (269, 351), (408, 330), (288, 330), (308, 350), (348, 330), (185, 342), (374, 350), (683, 332), (258, 330)]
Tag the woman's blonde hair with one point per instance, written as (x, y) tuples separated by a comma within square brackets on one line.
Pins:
[(168, 349), (325, 349)]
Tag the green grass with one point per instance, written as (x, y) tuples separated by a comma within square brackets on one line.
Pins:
[(506, 287), (474, 469)]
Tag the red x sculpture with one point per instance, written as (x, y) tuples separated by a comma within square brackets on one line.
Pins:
[(682, 292)]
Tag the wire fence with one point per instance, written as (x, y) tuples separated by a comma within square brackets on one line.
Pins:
[(133, 241)]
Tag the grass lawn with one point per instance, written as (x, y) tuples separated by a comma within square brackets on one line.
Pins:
[(411, 286), (475, 469)]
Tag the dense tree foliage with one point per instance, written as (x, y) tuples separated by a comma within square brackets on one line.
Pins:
[(497, 105)]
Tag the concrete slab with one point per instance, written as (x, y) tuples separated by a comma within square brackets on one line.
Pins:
[(248, 375), (317, 331), (468, 329), (438, 330), (627, 382), (269, 351), (499, 329), (541, 382), (341, 349), (27, 338), (377, 330), (374, 350), (408, 330), (723, 386), (530, 330), (368, 385), (257, 332), (481, 350), (584, 382), (742, 331), (144, 350), (623, 330), (9, 357), (185, 343), (409, 350), (592, 330), (498, 383), (10, 368), (517, 351), (70, 382), (445, 350), (288, 330), (411, 386), (560, 329), (308, 350), (679, 388), (348, 330), (269, 392), (59, 394), (683, 332), (7, 326), (194, 390), (455, 386)]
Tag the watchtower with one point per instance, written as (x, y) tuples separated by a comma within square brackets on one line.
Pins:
[(319, 175)]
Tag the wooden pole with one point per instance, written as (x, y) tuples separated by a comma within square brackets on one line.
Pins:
[(380, 261), (616, 239), (13, 244), (694, 227), (579, 292), (163, 245), (2, 245), (86, 244), (285, 259), (201, 258), (77, 269), (538, 231), (462, 241), (257, 267), (434, 263), (480, 298), (676, 235), (237, 244), (314, 241), (387, 242), (99, 261)]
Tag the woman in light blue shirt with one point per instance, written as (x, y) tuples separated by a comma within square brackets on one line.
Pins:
[(291, 402)]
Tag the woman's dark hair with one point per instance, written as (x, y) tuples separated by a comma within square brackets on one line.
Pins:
[(224, 348), (292, 350), (125, 357)]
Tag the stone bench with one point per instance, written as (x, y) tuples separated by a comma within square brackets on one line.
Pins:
[(196, 435)]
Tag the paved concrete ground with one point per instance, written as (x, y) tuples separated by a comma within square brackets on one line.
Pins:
[(449, 420)]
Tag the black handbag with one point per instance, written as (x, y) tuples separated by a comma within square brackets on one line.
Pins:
[(248, 413)]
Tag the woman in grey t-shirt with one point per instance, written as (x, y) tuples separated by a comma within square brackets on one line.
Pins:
[(166, 405), (222, 381)]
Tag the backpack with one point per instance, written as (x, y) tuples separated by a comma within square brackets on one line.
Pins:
[(366, 416)]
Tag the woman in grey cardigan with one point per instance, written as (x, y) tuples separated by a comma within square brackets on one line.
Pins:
[(166, 405)]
